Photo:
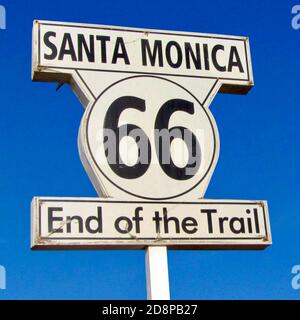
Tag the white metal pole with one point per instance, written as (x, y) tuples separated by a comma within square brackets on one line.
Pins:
[(157, 273)]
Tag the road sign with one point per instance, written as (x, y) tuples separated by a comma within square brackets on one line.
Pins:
[(61, 46), (148, 142), (147, 131), (159, 121), (94, 223)]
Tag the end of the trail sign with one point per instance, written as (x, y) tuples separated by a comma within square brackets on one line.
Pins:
[(92, 223)]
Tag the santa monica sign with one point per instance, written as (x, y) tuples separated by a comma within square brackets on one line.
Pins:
[(112, 49), (147, 139)]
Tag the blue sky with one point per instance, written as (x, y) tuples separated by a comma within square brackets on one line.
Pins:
[(259, 156)]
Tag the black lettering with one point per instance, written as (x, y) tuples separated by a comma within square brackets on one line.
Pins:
[(156, 52), (189, 53), (214, 58), (103, 40), (50, 45), (167, 220), (170, 45), (209, 218), (206, 57), (249, 225), (157, 219), (241, 225), (221, 222), (97, 219), (88, 49), (137, 219), (249, 220), (128, 224), (234, 60), (120, 51), (256, 221), (78, 220), (189, 222), (52, 219), (67, 48)]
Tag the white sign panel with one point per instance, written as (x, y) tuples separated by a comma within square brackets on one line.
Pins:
[(72, 223), (147, 139), (139, 51), (148, 145)]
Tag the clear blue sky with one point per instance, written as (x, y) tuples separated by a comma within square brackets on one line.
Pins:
[(259, 156)]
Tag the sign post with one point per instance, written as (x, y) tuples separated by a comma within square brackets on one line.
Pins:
[(148, 142), (157, 273)]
